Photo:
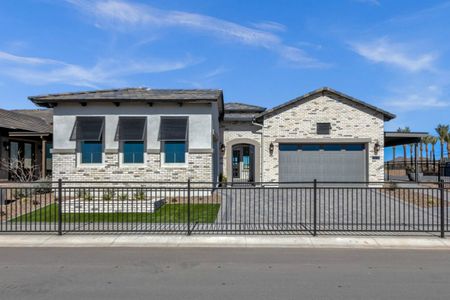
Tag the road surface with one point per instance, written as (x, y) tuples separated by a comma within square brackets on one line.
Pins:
[(208, 273)]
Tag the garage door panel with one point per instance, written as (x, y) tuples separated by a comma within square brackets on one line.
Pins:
[(323, 165)]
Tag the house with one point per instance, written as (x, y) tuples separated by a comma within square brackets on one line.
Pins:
[(25, 139), (172, 135), (136, 134)]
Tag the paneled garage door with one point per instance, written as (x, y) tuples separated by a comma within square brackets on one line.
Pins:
[(324, 162)]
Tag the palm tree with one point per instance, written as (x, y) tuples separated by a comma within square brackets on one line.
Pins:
[(433, 142), (406, 129), (442, 131), (447, 139)]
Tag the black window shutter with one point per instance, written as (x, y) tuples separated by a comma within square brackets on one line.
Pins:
[(173, 129), (131, 129), (88, 129), (323, 128)]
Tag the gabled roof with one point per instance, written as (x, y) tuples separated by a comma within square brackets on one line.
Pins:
[(23, 122), (387, 115)]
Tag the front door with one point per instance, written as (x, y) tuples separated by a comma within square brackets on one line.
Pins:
[(242, 163)]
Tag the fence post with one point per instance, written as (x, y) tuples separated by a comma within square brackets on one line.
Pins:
[(60, 206), (315, 208), (442, 191), (189, 208)]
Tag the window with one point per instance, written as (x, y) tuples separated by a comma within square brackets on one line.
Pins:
[(323, 128), (133, 152), (91, 152), (88, 132), (173, 133), (288, 147), (333, 147), (174, 151), (310, 147), (354, 147)]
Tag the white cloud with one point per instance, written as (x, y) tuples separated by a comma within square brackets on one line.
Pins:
[(417, 98), (270, 26), (41, 71), (119, 14), (384, 51)]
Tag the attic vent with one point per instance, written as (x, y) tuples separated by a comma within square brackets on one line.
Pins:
[(323, 128)]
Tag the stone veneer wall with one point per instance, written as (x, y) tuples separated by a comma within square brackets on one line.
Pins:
[(348, 120), (199, 168), (235, 131)]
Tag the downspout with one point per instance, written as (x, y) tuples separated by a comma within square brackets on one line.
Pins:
[(261, 160)]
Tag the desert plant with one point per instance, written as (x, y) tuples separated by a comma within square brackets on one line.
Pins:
[(19, 170), (123, 197), (108, 195), (86, 196), (139, 195)]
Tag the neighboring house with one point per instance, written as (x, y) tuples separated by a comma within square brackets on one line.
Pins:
[(25, 136), (172, 135)]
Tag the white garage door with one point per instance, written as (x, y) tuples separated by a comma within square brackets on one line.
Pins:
[(324, 162)]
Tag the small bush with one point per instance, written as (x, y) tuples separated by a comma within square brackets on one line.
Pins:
[(108, 196), (139, 196)]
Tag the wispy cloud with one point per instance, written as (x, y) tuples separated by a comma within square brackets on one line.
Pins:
[(417, 98), (399, 55), (42, 71), (270, 26), (119, 14), (371, 2)]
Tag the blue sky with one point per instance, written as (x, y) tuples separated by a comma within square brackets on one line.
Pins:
[(393, 54)]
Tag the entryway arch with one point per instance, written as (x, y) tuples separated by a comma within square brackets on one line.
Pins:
[(243, 161)]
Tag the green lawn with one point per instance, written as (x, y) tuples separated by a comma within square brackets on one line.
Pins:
[(169, 213)]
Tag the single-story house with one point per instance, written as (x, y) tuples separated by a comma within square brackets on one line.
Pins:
[(25, 141), (169, 135)]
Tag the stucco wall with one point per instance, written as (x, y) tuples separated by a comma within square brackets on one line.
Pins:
[(348, 121), (200, 122)]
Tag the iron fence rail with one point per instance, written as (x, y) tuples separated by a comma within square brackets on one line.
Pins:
[(203, 207)]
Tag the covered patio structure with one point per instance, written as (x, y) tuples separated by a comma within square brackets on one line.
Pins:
[(393, 138)]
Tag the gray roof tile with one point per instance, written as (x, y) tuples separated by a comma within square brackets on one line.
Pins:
[(20, 121)]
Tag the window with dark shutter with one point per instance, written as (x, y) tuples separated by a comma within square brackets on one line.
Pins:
[(88, 129), (131, 129), (173, 129), (323, 128)]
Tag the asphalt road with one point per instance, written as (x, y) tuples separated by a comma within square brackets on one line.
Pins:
[(146, 273)]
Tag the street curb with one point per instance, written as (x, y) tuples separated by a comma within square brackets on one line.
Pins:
[(199, 241)]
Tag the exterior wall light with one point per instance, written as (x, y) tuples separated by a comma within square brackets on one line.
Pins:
[(222, 148), (376, 147), (271, 148)]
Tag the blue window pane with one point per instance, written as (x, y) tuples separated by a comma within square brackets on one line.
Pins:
[(91, 152), (308, 147), (332, 147), (133, 152), (174, 152), (354, 147), (288, 147)]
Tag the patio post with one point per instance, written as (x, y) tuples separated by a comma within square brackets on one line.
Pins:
[(43, 158), (416, 165)]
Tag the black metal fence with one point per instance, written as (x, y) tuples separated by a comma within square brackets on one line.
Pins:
[(192, 207), (428, 171)]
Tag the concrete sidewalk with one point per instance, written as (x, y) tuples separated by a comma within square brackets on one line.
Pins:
[(224, 241)]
